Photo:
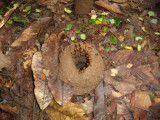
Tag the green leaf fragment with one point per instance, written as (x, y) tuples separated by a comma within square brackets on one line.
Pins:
[(77, 31), (67, 11), (24, 22), (92, 21), (132, 34), (104, 13), (83, 36), (15, 18), (117, 22), (151, 95), (10, 21), (16, 5), (151, 13), (154, 21), (138, 38), (46, 72), (93, 17), (140, 18), (100, 19), (128, 20), (72, 38), (68, 27), (83, 23), (106, 19), (1, 13), (113, 39), (28, 8), (112, 21), (104, 29), (157, 33), (107, 48), (8, 8), (139, 48), (38, 11)]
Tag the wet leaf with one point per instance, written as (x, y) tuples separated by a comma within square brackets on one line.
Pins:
[(4, 61), (67, 11), (31, 32), (99, 104), (41, 91), (151, 13), (113, 39), (61, 92), (111, 7), (68, 27), (70, 111)]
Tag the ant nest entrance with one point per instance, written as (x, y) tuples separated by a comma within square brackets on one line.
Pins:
[(81, 56), (81, 66)]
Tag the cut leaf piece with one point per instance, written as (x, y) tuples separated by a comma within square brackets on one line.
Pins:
[(113, 39), (94, 17), (151, 13), (67, 11), (139, 48), (112, 21), (83, 36), (68, 27), (157, 33), (138, 38), (107, 48)]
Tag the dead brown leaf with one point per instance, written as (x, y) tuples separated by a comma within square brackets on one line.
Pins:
[(31, 32), (99, 104), (122, 109), (133, 57), (69, 111), (141, 100), (143, 73), (61, 91), (4, 61), (42, 92), (125, 87), (111, 7)]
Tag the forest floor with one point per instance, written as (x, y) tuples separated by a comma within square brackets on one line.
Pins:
[(33, 35)]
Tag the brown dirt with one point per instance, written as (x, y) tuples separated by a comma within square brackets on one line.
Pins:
[(83, 80)]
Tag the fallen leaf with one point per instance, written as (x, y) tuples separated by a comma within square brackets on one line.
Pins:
[(61, 91), (88, 105), (69, 111), (141, 99), (111, 7), (122, 109), (125, 87), (99, 105), (31, 32), (42, 92), (143, 73), (4, 61)]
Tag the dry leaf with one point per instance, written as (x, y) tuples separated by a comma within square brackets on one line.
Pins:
[(69, 111), (61, 91), (123, 110), (141, 100), (42, 92), (111, 7), (4, 61), (31, 32), (125, 87), (99, 104)]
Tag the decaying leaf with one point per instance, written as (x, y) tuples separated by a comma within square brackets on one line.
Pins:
[(42, 92), (141, 99), (31, 32), (61, 91), (123, 110), (99, 104), (4, 61), (133, 57), (69, 111), (111, 7)]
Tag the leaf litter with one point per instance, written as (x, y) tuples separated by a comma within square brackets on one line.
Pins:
[(127, 41)]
